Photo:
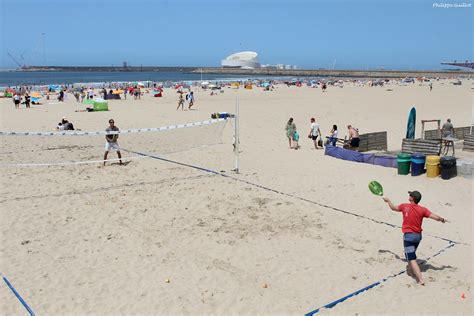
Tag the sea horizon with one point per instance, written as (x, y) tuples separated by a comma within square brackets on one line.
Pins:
[(38, 77)]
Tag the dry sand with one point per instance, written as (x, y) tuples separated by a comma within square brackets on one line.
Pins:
[(87, 240)]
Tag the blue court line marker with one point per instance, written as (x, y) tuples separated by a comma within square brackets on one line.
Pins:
[(342, 299), (282, 193), (18, 296)]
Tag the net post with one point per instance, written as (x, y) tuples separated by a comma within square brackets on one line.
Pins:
[(236, 135)]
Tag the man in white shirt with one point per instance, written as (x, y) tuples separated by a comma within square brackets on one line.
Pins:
[(314, 132)]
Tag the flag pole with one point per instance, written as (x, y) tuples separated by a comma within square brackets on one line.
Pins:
[(236, 135)]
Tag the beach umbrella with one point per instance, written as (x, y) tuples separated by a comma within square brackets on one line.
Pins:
[(117, 92), (36, 95)]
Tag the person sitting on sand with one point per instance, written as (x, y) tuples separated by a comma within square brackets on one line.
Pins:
[(413, 215), (290, 132), (314, 132), (353, 136), (65, 125), (111, 143)]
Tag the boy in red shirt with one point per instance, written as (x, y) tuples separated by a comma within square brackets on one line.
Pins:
[(413, 215)]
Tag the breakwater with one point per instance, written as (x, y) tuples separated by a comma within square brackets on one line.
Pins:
[(337, 73), (264, 71)]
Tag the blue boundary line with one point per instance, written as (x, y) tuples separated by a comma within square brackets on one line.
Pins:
[(279, 192), (342, 299), (18, 296)]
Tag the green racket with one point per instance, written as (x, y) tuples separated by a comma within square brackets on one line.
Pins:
[(376, 188)]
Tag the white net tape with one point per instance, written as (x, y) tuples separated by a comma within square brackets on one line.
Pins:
[(127, 131), (33, 149)]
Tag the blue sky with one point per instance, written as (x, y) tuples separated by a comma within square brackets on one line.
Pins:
[(360, 34)]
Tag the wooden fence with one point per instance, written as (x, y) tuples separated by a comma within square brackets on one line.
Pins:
[(373, 141), (459, 133), (468, 143), (422, 146)]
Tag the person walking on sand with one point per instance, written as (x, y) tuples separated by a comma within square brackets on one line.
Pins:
[(314, 132), (17, 100), (413, 215), (431, 86), (27, 100), (290, 132), (111, 143), (191, 99), (324, 87), (180, 101)]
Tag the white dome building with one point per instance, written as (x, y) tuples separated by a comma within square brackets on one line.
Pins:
[(246, 60)]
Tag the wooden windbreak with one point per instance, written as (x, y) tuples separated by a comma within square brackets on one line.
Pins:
[(422, 146), (373, 141)]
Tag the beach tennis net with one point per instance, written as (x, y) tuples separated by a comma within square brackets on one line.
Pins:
[(83, 147)]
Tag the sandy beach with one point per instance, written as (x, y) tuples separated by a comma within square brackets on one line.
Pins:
[(294, 231)]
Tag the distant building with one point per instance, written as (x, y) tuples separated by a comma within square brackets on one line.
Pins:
[(244, 60), (125, 64)]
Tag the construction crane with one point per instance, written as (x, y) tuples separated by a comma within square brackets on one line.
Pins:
[(16, 62)]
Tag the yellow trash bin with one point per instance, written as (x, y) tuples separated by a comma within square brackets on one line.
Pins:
[(432, 166)]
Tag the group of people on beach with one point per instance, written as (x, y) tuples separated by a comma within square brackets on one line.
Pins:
[(17, 100), (189, 99), (315, 133)]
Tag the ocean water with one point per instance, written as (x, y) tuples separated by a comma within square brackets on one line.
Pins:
[(60, 77)]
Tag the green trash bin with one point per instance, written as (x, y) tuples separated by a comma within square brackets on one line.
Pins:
[(403, 163)]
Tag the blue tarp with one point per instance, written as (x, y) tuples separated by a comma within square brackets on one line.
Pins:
[(351, 155), (386, 161), (344, 154)]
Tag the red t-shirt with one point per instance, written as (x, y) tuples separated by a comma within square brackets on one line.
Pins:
[(413, 217)]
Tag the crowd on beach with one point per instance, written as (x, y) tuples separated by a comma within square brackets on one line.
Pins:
[(352, 141)]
